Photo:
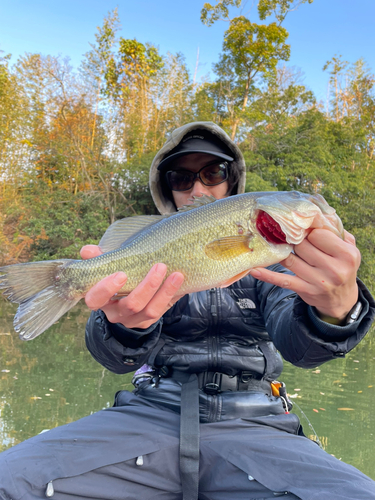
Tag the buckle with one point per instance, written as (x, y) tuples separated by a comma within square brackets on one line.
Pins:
[(214, 387), (211, 389), (246, 377), (288, 405), (138, 378)]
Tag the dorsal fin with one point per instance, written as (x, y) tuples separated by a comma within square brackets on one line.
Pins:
[(125, 230), (198, 201)]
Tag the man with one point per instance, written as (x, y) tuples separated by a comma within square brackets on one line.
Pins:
[(216, 347)]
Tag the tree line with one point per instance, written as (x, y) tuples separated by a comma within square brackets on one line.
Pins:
[(76, 144)]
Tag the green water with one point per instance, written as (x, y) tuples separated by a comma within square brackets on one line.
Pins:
[(53, 380)]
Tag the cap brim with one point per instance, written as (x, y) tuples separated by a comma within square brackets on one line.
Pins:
[(164, 163)]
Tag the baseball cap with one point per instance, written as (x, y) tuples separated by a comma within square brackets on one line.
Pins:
[(197, 141)]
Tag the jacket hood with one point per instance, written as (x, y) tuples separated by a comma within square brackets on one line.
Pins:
[(164, 203)]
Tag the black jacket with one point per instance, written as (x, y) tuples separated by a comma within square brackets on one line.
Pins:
[(231, 331)]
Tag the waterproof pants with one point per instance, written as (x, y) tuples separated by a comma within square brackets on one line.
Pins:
[(132, 453)]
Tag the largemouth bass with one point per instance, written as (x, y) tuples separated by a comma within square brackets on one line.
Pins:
[(213, 243)]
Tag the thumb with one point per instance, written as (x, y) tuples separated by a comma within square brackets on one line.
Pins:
[(90, 251)]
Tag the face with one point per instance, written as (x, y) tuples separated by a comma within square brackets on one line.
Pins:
[(195, 162)]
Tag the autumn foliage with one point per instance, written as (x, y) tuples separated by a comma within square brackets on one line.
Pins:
[(76, 144)]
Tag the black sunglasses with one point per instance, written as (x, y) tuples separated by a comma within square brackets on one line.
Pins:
[(210, 175)]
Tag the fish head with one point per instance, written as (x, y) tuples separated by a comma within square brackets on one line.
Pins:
[(288, 217)]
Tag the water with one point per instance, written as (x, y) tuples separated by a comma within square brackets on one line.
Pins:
[(53, 380)]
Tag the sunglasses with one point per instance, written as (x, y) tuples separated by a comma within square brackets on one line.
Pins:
[(210, 175)]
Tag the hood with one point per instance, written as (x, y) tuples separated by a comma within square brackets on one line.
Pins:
[(163, 203)]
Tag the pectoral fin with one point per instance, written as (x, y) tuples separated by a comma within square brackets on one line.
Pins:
[(228, 247)]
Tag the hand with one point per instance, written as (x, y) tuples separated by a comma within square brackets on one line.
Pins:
[(325, 268), (144, 305)]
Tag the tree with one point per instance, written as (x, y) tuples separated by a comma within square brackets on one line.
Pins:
[(250, 51), (353, 98), (14, 144)]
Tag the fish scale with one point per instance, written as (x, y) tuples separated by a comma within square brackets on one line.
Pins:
[(211, 242), (208, 224)]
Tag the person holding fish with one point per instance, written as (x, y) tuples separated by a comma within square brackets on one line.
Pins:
[(209, 298)]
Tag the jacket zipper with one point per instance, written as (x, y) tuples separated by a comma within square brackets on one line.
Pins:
[(213, 338), (213, 415)]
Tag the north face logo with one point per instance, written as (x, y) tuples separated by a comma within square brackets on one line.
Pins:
[(246, 304)]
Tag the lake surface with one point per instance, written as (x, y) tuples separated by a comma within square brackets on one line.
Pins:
[(53, 380)]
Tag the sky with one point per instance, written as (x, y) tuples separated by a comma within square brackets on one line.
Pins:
[(317, 31)]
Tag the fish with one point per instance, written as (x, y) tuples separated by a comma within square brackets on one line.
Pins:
[(213, 243)]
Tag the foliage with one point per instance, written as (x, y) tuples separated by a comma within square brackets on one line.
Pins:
[(76, 146), (251, 53), (318, 155), (278, 8), (56, 225)]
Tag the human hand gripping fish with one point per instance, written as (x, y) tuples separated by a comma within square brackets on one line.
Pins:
[(325, 270), (145, 305), (209, 243)]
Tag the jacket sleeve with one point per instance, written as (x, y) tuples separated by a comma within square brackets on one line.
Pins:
[(119, 349), (300, 335)]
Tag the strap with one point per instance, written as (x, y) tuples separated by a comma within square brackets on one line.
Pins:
[(155, 351), (213, 383), (189, 439), (271, 359)]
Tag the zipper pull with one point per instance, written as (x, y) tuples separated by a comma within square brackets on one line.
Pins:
[(213, 308), (50, 490)]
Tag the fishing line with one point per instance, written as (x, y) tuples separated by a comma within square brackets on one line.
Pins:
[(317, 440)]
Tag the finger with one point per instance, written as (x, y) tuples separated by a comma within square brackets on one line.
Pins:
[(90, 251), (304, 265), (310, 263), (349, 238), (328, 242), (101, 293), (281, 280), (138, 298), (306, 252), (167, 295), (344, 254), (317, 268), (136, 314)]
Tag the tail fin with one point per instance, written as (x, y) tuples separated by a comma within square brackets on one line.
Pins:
[(34, 286)]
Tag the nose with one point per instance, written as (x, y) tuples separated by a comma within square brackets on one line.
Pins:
[(199, 188)]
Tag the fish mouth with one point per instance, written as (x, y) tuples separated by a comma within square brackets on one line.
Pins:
[(270, 229)]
